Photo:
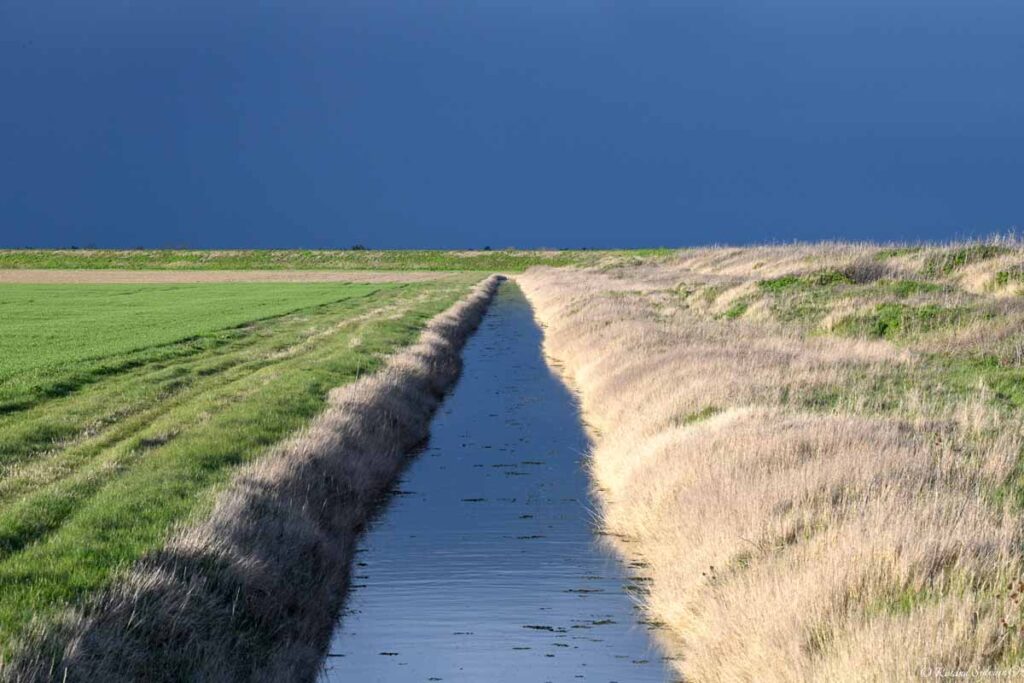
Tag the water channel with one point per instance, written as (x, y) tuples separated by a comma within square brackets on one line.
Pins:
[(484, 566)]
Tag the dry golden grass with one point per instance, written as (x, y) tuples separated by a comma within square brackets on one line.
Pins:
[(861, 536), (252, 591)]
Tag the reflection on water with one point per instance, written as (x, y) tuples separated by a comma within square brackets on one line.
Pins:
[(484, 567)]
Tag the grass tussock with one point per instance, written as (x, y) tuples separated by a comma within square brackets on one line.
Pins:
[(251, 591), (820, 464)]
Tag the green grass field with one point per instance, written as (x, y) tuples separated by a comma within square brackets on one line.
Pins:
[(57, 337), (123, 407), (505, 261)]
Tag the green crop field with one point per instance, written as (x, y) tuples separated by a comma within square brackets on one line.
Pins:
[(57, 337), (509, 260), (123, 407)]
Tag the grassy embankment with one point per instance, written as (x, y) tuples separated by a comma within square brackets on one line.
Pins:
[(503, 261), (124, 408), (814, 450)]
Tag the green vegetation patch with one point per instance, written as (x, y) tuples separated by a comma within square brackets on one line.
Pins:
[(828, 277), (779, 284), (93, 479), (705, 413), (947, 380), (905, 288), (1009, 276), (736, 309), (946, 262), (964, 375), (895, 320), (821, 278)]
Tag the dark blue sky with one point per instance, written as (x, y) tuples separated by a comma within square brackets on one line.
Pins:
[(308, 123)]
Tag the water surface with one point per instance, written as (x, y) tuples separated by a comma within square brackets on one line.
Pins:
[(485, 566)]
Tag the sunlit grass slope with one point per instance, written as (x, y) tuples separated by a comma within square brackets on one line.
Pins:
[(126, 406), (814, 450)]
